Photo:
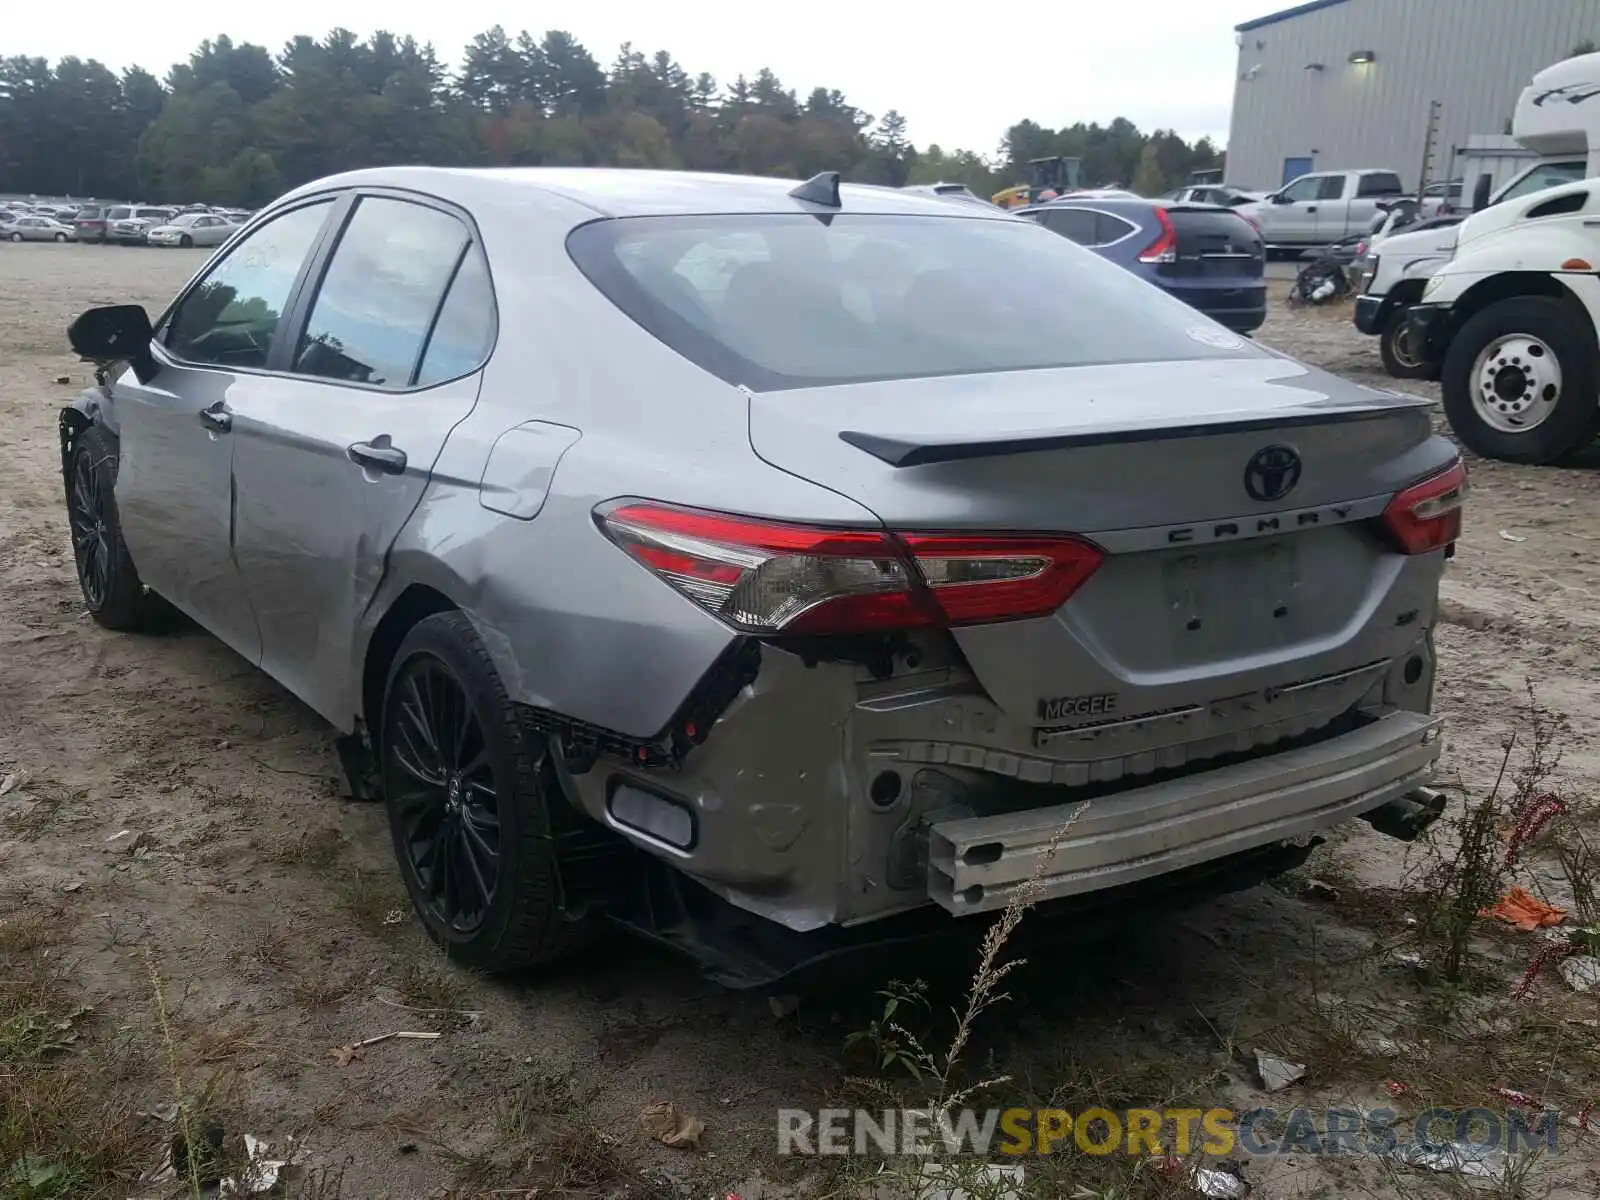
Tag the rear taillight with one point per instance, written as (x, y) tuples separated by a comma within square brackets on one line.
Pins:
[(1427, 515), (1165, 248), (766, 578), (1250, 221)]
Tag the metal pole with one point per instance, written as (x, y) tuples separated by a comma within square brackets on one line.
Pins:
[(1427, 146)]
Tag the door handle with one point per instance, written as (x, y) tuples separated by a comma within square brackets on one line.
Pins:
[(1311, 208), (217, 418), (379, 455)]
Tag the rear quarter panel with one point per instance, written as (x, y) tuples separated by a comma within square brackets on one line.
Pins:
[(573, 624)]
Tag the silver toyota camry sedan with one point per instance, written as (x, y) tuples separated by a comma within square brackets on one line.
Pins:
[(773, 569)]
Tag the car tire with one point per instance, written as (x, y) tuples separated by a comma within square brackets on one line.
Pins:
[(112, 591), (456, 760), (61, 237), (16, 237), (1547, 348), (186, 242), (1393, 348)]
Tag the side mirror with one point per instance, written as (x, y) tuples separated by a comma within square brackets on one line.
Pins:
[(1279, 198), (115, 333)]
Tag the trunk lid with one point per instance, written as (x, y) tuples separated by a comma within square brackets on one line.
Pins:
[(1224, 578)]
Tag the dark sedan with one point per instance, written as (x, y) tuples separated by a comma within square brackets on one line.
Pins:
[(1209, 257)]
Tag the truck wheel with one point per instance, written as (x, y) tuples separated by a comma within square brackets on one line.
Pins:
[(468, 791), (1521, 382), (1394, 344)]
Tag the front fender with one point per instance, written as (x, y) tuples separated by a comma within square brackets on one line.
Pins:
[(91, 407)]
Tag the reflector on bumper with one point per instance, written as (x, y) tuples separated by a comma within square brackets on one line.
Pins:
[(977, 864)]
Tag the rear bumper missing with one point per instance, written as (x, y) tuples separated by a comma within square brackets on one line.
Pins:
[(978, 864)]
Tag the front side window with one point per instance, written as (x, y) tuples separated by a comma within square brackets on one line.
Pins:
[(372, 314), (1332, 187), (776, 301), (1304, 188), (231, 317)]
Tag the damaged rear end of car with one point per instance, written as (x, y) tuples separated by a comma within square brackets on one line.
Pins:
[(1131, 599)]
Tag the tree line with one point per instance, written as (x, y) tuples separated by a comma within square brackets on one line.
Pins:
[(237, 125)]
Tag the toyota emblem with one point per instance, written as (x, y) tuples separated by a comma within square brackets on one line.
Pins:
[(1272, 472)]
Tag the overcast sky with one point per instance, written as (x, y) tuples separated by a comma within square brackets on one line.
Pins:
[(960, 74)]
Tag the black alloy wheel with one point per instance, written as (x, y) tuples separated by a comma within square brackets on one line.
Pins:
[(469, 789), (112, 590), (86, 519), (439, 780)]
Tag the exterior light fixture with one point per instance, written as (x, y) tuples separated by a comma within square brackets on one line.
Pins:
[(1313, 66), (1362, 57)]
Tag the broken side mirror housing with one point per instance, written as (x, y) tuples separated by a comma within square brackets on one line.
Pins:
[(115, 333)]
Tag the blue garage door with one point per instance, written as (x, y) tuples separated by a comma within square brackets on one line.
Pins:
[(1293, 168)]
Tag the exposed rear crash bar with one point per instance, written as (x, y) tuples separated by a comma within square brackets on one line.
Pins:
[(976, 864)]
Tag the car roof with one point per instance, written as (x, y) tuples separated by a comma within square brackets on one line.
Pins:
[(611, 192), (1126, 205), (1112, 203)]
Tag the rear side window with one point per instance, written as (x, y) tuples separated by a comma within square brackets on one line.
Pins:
[(231, 317), (776, 301), (380, 294), (464, 332), (1108, 229), (1379, 183), (1075, 223)]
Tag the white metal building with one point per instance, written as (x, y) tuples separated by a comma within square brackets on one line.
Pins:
[(1340, 84)]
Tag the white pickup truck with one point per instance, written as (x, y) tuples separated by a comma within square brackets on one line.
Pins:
[(1322, 208)]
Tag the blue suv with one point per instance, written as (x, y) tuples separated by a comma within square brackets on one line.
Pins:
[(1209, 257)]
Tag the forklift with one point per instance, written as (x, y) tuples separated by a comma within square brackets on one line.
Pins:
[(1047, 178)]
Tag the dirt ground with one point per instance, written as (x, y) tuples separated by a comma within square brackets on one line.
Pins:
[(175, 863)]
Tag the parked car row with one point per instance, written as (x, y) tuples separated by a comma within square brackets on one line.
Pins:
[(122, 224)]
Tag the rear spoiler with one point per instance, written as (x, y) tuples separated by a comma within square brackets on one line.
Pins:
[(911, 451)]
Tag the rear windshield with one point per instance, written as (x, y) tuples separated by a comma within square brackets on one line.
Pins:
[(1211, 223), (155, 212), (775, 301)]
